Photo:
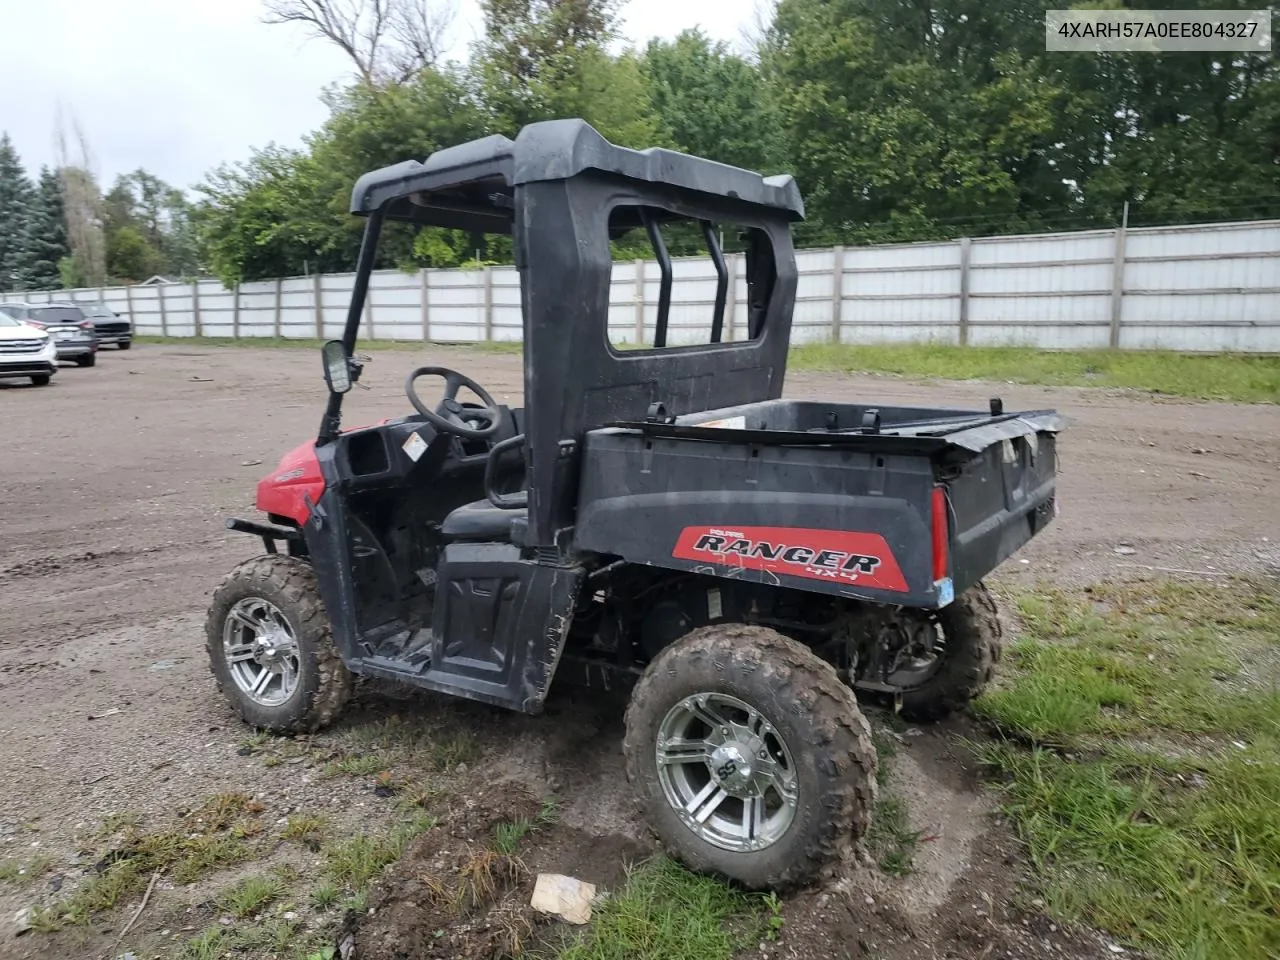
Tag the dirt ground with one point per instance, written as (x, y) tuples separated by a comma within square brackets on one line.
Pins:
[(115, 482)]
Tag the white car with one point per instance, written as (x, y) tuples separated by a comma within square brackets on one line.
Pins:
[(26, 351)]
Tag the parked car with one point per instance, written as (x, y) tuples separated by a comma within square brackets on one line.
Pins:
[(26, 351), (66, 324), (109, 325)]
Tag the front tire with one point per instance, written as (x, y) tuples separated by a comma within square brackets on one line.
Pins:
[(271, 649), (89, 361), (124, 344), (40, 379), (751, 757)]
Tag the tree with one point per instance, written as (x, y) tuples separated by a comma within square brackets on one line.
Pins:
[(82, 203), (547, 59), (713, 103), (388, 41), (155, 215), (47, 243), (16, 196)]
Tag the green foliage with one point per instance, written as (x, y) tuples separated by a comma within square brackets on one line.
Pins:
[(16, 199), (148, 229), (1145, 782), (712, 103), (47, 243)]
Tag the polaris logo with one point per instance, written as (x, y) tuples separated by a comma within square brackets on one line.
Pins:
[(727, 545)]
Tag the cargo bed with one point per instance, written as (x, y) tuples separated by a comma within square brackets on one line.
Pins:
[(905, 505)]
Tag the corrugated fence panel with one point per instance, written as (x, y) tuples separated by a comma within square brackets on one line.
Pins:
[(1203, 288), (1051, 291), (904, 293)]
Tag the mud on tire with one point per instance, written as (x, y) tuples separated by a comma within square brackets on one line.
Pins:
[(812, 711), (974, 644), (323, 681)]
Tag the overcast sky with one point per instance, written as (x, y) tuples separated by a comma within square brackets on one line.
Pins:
[(179, 86)]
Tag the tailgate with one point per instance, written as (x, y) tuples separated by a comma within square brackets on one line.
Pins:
[(1001, 496)]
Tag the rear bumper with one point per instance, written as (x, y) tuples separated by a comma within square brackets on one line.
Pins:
[(70, 350)]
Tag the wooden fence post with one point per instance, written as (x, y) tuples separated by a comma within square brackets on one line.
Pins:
[(128, 300), (235, 313), (195, 306), (965, 253)]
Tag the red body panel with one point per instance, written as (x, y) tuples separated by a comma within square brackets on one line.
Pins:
[(861, 558), (286, 490)]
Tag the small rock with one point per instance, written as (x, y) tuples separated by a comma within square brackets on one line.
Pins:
[(22, 921), (565, 897), (290, 915), (1200, 450), (250, 463), (225, 921), (462, 768), (1125, 550), (128, 955), (868, 900)]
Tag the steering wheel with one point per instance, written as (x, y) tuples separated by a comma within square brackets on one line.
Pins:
[(455, 417)]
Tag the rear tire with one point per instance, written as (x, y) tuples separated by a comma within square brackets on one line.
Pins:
[(267, 623), (41, 379), (89, 361), (974, 644), (815, 746)]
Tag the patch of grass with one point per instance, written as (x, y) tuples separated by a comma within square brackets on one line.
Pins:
[(507, 835), (21, 874), (353, 862), (325, 895), (256, 741), (306, 829), (1224, 376), (199, 846), (485, 873), (1143, 761), (891, 839), (356, 765), (251, 894), (275, 935), (358, 902), (664, 912), (548, 812), (209, 944)]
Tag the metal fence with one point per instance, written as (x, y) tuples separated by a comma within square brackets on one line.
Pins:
[(1193, 288)]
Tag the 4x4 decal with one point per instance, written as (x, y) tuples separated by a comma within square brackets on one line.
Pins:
[(861, 558)]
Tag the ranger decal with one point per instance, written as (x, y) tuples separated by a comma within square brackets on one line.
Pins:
[(861, 558)]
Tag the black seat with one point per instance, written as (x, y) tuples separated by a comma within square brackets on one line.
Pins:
[(481, 520)]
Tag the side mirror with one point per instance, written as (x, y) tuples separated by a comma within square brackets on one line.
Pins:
[(337, 367)]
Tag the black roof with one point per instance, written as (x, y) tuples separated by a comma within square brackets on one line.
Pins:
[(470, 185)]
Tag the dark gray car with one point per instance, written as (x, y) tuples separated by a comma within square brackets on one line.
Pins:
[(109, 326), (65, 323)]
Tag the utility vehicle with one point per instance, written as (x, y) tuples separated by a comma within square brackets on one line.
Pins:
[(656, 520)]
